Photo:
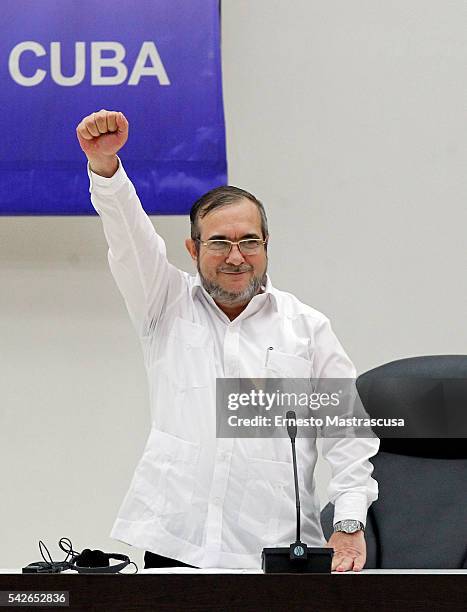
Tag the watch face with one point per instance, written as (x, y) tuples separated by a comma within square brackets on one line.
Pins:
[(350, 526)]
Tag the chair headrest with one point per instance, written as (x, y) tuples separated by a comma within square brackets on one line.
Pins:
[(429, 388)]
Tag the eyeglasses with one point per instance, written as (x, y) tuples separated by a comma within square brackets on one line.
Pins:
[(249, 246)]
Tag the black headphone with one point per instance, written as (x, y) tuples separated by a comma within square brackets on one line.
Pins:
[(97, 562)]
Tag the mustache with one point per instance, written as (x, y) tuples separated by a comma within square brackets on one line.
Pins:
[(235, 268)]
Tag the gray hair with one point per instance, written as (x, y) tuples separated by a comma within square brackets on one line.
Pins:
[(222, 196)]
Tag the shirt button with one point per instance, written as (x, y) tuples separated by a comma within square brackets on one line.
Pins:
[(217, 500)]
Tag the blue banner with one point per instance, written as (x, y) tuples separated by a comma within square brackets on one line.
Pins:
[(157, 61)]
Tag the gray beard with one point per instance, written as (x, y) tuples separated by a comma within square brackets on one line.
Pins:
[(232, 298)]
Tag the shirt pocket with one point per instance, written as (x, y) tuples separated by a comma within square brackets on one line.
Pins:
[(166, 474), (190, 355), (268, 494), (286, 365)]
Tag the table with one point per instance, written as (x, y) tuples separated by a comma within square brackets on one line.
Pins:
[(248, 590)]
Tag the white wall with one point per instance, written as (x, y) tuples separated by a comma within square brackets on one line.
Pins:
[(348, 120)]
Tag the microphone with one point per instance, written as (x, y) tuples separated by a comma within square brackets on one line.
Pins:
[(298, 558), (291, 425), (297, 549)]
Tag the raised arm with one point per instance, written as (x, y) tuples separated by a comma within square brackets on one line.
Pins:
[(137, 254)]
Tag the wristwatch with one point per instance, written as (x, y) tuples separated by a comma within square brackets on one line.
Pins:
[(349, 526)]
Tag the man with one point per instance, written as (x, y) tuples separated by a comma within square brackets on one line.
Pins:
[(194, 498)]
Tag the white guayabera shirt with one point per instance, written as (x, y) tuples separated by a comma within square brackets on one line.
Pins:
[(206, 501)]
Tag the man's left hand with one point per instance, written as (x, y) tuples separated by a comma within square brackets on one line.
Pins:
[(349, 551)]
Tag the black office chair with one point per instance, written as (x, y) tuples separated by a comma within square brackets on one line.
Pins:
[(420, 517)]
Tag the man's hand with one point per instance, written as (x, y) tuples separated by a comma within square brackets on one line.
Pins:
[(101, 135), (349, 551)]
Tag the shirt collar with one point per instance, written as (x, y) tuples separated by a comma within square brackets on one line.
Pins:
[(268, 289)]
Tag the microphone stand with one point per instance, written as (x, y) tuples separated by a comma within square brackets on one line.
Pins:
[(298, 558), (297, 549)]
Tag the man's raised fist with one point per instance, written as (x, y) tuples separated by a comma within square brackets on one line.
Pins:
[(101, 135)]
